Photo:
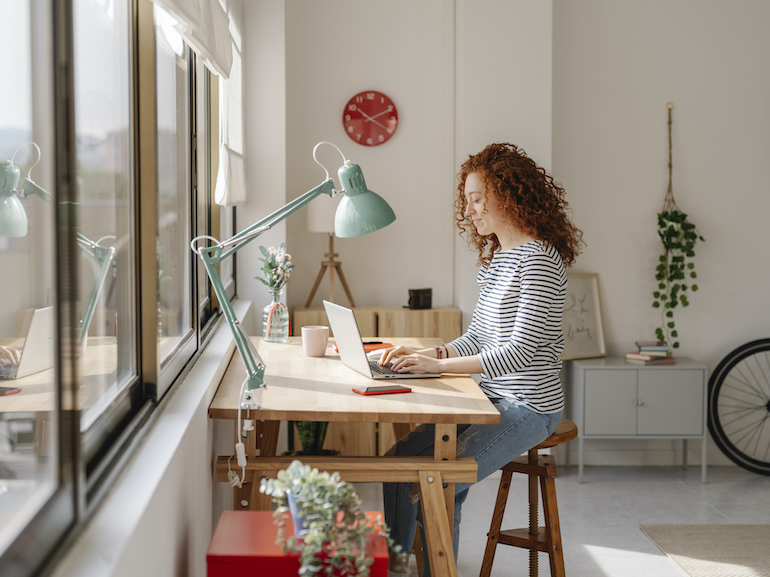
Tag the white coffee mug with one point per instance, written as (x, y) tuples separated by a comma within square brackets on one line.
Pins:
[(315, 340)]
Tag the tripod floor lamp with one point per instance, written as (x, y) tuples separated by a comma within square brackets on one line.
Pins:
[(360, 211)]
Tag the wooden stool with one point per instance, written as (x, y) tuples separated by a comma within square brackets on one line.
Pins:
[(534, 538)]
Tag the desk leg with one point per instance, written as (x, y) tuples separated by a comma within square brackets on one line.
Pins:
[(445, 449)]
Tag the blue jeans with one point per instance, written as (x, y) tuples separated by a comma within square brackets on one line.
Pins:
[(492, 446)]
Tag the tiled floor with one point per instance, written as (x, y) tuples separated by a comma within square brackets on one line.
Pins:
[(600, 518)]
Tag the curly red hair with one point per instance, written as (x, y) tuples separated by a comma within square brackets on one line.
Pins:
[(527, 195)]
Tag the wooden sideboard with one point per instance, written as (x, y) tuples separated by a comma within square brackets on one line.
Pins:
[(381, 322)]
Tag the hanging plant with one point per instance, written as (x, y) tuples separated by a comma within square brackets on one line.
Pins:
[(675, 272)]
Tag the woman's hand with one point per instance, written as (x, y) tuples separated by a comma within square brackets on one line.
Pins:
[(9, 355), (405, 360), (393, 353), (416, 363)]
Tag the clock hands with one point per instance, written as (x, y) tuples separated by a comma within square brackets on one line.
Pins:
[(388, 109), (372, 118)]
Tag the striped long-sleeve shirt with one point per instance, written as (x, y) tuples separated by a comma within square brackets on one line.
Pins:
[(516, 326)]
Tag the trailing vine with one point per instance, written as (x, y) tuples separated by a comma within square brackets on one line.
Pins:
[(675, 271)]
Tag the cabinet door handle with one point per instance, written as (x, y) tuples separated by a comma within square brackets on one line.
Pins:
[(639, 402)]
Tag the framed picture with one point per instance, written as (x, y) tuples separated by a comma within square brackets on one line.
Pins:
[(582, 322)]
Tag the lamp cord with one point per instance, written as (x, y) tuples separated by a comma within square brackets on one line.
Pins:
[(232, 476), (344, 160), (39, 156)]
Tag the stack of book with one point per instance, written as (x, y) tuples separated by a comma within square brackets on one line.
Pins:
[(651, 353)]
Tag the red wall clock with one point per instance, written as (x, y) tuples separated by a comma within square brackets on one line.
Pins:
[(370, 118)]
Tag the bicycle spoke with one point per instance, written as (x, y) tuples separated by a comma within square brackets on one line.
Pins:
[(745, 381), (759, 367), (766, 372), (752, 428)]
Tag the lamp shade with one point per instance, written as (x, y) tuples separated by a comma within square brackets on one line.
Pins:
[(13, 217), (360, 211)]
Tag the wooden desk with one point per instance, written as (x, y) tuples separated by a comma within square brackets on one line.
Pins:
[(319, 389)]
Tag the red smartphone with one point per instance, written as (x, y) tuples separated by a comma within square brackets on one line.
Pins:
[(9, 390), (382, 390)]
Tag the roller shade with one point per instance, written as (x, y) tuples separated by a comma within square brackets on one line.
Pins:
[(204, 24)]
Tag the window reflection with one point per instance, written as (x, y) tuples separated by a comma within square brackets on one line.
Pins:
[(106, 269), (174, 197), (28, 454)]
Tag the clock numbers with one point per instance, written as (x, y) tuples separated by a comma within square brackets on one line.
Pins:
[(370, 118)]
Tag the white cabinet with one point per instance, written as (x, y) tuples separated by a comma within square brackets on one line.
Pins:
[(610, 399)]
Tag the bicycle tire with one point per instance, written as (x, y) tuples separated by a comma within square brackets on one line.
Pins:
[(739, 406)]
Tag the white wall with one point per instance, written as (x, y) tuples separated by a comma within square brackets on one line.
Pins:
[(503, 89), (616, 65), (336, 49)]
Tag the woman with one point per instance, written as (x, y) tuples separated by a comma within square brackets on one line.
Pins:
[(516, 218)]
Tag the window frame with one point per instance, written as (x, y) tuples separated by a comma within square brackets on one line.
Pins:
[(88, 462)]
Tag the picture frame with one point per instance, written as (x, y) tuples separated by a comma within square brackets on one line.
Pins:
[(582, 321)]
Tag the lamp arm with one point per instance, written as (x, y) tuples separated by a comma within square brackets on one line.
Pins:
[(28, 188), (261, 226), (104, 256), (213, 255)]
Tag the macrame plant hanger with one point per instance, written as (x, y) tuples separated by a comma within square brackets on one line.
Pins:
[(669, 204)]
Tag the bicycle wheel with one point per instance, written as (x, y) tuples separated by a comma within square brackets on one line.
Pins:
[(739, 406)]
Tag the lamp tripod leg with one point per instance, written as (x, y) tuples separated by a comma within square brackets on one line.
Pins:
[(316, 285), (331, 264), (345, 286)]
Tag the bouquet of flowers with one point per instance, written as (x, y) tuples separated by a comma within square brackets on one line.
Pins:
[(276, 267)]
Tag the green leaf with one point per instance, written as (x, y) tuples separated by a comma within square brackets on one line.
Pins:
[(656, 305), (656, 294), (693, 274), (694, 287), (675, 345), (670, 314), (670, 325)]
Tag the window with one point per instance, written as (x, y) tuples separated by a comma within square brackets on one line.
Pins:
[(28, 451), (109, 174)]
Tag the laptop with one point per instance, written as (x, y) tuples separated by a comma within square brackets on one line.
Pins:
[(37, 353), (351, 347)]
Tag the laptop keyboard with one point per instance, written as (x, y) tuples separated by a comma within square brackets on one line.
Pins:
[(8, 370), (382, 369)]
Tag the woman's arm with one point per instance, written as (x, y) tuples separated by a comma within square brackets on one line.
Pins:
[(427, 360)]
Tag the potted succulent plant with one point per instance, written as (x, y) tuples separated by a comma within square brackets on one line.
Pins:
[(331, 529)]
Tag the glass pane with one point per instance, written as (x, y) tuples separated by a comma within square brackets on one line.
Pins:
[(227, 267), (204, 207), (28, 420), (174, 197), (106, 269)]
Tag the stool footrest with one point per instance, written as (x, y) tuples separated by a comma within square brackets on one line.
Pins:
[(522, 538), (545, 466)]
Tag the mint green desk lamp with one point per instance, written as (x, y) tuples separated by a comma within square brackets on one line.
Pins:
[(13, 223), (360, 211)]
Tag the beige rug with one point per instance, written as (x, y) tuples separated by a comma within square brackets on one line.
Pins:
[(715, 550)]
